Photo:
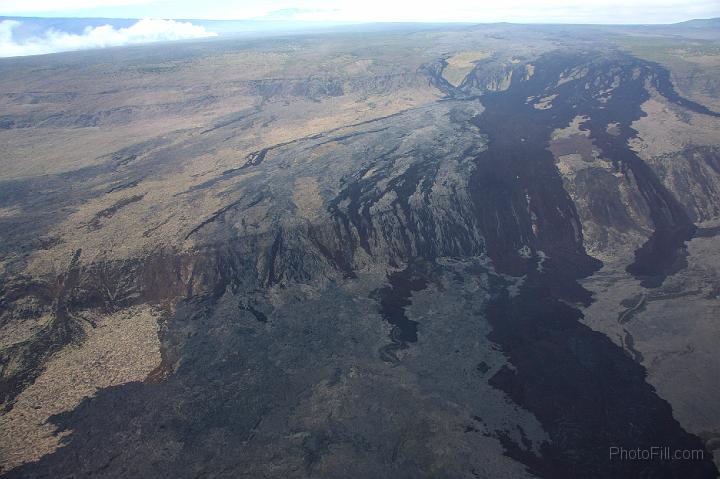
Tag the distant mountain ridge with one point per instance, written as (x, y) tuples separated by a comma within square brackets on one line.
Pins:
[(34, 26), (701, 23)]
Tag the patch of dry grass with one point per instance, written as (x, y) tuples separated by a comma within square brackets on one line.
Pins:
[(123, 347), (460, 64)]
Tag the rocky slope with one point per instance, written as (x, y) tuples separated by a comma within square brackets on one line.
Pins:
[(338, 263)]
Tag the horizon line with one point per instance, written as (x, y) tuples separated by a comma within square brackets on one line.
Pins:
[(351, 22)]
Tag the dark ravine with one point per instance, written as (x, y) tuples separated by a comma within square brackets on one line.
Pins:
[(393, 299), (582, 387), (584, 390)]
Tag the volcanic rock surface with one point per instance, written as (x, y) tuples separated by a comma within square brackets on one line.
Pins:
[(458, 252)]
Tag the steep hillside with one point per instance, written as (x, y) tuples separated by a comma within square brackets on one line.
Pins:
[(475, 252)]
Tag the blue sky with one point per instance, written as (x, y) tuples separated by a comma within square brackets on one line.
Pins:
[(526, 11)]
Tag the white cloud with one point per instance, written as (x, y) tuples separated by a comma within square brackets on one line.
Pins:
[(143, 31), (13, 6)]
